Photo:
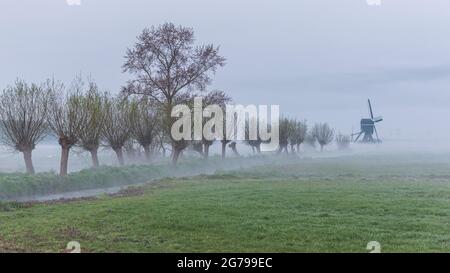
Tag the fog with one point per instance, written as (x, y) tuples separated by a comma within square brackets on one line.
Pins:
[(318, 59), (46, 155)]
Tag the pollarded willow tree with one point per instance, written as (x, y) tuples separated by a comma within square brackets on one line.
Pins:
[(145, 123), (117, 129), (220, 99), (285, 128), (66, 116), (23, 113), (93, 123), (298, 135), (343, 142), (166, 64), (323, 133), (253, 141)]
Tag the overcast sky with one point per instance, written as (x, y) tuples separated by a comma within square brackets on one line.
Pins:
[(318, 59)]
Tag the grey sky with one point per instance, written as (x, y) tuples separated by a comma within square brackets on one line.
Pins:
[(319, 59)]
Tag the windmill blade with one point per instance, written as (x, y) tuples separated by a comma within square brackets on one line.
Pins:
[(370, 109), (360, 133), (378, 119), (376, 133)]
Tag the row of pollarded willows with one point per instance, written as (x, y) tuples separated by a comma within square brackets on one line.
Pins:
[(293, 133), (166, 69), (82, 116)]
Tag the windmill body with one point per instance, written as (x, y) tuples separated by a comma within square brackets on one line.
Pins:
[(368, 128)]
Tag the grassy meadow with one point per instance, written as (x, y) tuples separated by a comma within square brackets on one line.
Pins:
[(309, 205)]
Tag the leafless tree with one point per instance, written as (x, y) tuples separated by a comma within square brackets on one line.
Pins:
[(311, 139), (132, 149), (23, 113), (197, 146), (225, 139), (298, 135), (166, 64), (285, 133), (117, 129), (162, 141), (220, 99), (343, 141), (66, 116), (232, 146), (93, 124), (145, 123), (253, 142), (323, 133), (228, 131)]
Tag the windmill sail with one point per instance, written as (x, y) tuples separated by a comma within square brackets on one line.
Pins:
[(378, 119), (370, 109)]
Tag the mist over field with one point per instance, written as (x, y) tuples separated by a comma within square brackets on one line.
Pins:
[(319, 60), (47, 155), (90, 158)]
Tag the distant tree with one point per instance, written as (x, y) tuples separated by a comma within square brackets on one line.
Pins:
[(343, 142), (324, 134), (225, 140), (232, 146), (117, 129), (23, 113), (227, 132), (162, 141), (311, 139), (132, 149), (197, 146), (166, 65), (220, 99), (298, 135), (145, 123), (286, 127), (93, 124), (66, 116), (253, 141)]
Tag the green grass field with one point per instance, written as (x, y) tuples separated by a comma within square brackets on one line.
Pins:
[(321, 205)]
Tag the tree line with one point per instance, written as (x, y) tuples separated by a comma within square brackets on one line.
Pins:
[(166, 68)]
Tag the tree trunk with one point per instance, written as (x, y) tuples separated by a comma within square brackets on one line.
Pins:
[(64, 160), (28, 161), (280, 149), (175, 156), (258, 148), (206, 151), (233, 147), (198, 147), (224, 149), (147, 152), (119, 154), (298, 148), (94, 156), (321, 147)]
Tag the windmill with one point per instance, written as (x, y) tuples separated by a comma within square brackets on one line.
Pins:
[(368, 127)]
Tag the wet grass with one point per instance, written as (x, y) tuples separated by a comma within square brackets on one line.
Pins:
[(328, 205), (15, 186)]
